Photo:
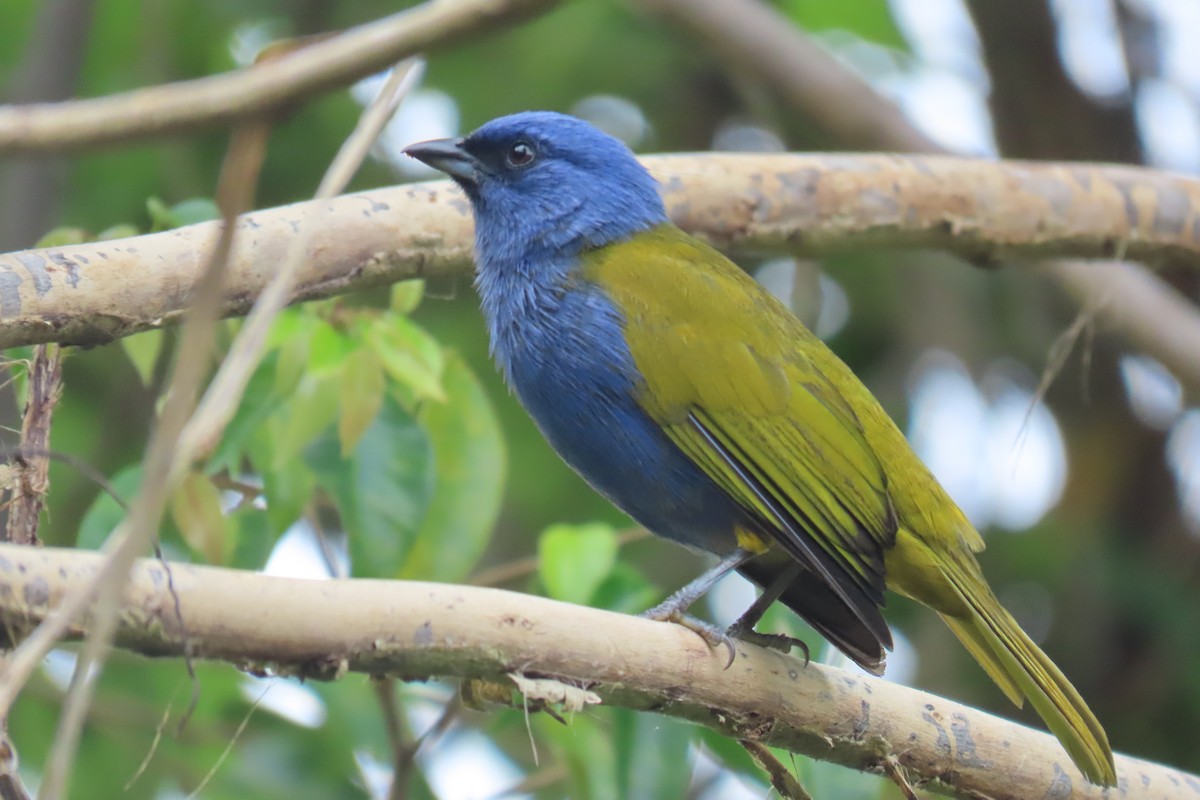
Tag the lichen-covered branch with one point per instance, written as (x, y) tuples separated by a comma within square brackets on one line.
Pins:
[(321, 629), (805, 204)]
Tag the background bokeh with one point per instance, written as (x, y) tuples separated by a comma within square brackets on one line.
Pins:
[(1089, 497)]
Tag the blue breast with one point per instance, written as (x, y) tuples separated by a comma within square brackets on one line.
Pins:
[(566, 359)]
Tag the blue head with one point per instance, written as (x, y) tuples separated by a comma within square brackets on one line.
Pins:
[(545, 186)]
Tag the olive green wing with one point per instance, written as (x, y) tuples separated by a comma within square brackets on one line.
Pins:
[(728, 377)]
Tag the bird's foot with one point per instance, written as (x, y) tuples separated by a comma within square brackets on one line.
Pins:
[(713, 636), (780, 642)]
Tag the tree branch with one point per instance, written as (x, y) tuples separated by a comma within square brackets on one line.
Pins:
[(1037, 110), (802, 204), (258, 90), (756, 39), (320, 629), (31, 462)]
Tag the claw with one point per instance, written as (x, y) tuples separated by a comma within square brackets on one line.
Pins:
[(713, 636), (779, 642)]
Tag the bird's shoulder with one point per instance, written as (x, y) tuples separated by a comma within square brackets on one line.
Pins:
[(706, 337), (703, 332)]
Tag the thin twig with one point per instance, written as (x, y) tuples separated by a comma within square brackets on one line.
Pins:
[(229, 746), (895, 773), (406, 756), (153, 748), (11, 785), (32, 479), (782, 779), (220, 401), (393, 721)]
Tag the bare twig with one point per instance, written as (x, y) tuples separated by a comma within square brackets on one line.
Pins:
[(11, 785), (190, 105), (475, 632), (782, 779), (895, 773), (153, 748), (397, 733), (233, 740), (31, 479)]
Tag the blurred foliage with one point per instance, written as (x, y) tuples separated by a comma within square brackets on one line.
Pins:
[(380, 417)]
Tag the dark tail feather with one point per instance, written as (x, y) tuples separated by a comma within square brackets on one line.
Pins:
[(819, 606)]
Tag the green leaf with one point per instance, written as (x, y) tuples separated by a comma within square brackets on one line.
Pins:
[(196, 510), (573, 560), (626, 590), (731, 754), (197, 209), (142, 349), (121, 231), (160, 214), (259, 402), (360, 394), (304, 415), (469, 454), (287, 487), (329, 347), (651, 754), (105, 513), (406, 295), (410, 356), (253, 538), (382, 491), (870, 19), (290, 323), (64, 236), (291, 337), (187, 212)]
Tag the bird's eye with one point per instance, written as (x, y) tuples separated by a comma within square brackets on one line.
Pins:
[(520, 155)]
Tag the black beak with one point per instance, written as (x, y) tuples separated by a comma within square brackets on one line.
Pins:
[(449, 156)]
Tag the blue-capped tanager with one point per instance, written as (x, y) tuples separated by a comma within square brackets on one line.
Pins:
[(693, 400)]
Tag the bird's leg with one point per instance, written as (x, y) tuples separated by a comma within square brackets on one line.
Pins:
[(672, 609), (744, 627), (683, 599)]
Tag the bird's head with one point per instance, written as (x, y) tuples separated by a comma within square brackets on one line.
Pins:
[(546, 183)]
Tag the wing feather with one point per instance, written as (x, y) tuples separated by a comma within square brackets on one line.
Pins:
[(728, 380)]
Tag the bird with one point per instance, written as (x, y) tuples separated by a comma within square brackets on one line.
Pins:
[(699, 405)]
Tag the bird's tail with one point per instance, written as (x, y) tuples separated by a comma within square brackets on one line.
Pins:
[(1022, 670)]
